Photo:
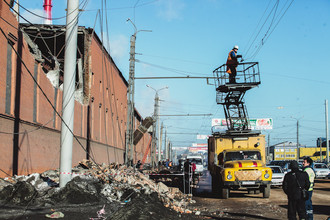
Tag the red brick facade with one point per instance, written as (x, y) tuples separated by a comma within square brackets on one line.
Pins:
[(29, 126)]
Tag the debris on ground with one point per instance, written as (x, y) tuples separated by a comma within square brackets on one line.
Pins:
[(127, 192), (55, 215)]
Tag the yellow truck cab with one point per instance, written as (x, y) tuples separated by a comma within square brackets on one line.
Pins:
[(238, 163)]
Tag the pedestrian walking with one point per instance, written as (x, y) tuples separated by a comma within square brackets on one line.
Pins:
[(293, 183), (307, 163)]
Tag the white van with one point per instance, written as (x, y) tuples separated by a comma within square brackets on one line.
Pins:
[(198, 160)]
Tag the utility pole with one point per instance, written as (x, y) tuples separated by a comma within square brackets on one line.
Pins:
[(155, 121), (268, 148), (70, 57), (129, 146), (153, 145), (166, 149), (130, 104), (160, 139), (320, 143), (297, 150), (297, 140), (170, 151), (327, 129)]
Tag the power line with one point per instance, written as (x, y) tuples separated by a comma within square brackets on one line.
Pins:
[(177, 77), (126, 7), (176, 59), (40, 27), (181, 72), (261, 26), (31, 12), (263, 41), (186, 115)]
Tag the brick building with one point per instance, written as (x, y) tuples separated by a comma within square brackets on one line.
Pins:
[(31, 99)]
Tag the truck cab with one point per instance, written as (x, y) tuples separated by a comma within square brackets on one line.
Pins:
[(238, 163)]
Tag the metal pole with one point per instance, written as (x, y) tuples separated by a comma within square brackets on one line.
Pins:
[(170, 150), (160, 134), (166, 148), (68, 91), (153, 146), (129, 146), (327, 129), (157, 123), (297, 157), (268, 148), (320, 143)]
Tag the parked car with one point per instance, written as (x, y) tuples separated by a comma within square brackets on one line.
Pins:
[(278, 175), (198, 161), (285, 164), (321, 170)]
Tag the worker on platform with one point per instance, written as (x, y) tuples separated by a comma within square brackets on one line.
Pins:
[(232, 64), (307, 163)]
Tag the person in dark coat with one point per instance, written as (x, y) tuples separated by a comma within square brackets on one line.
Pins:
[(138, 165), (296, 204)]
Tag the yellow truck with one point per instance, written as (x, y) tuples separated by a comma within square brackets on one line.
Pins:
[(238, 162)]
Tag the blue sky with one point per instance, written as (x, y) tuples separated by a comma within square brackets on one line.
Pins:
[(193, 37)]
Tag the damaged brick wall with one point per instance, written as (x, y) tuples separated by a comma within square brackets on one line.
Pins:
[(99, 123)]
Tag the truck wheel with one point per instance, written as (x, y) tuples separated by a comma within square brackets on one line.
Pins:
[(266, 191), (225, 193), (215, 185)]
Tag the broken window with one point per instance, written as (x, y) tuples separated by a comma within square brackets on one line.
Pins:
[(47, 45)]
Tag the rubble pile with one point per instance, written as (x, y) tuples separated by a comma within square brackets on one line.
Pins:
[(125, 192)]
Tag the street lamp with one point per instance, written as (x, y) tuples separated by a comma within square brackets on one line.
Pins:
[(155, 120), (298, 151)]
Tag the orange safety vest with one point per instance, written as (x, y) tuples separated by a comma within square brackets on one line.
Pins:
[(231, 62)]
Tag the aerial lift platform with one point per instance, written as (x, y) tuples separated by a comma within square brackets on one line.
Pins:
[(229, 152), (231, 96)]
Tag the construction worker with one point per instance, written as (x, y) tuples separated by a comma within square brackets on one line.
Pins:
[(307, 163), (232, 64)]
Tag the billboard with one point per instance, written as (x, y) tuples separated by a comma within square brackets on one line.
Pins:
[(197, 149), (202, 136), (255, 124)]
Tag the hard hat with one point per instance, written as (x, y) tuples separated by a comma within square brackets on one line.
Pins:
[(235, 47)]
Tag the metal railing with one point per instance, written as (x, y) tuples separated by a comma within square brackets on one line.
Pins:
[(247, 73)]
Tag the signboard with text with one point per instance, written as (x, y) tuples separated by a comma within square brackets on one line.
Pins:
[(254, 124)]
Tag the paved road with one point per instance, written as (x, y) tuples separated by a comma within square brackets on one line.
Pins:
[(241, 205)]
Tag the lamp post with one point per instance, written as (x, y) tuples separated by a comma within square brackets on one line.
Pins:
[(298, 151), (155, 121), (129, 147)]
